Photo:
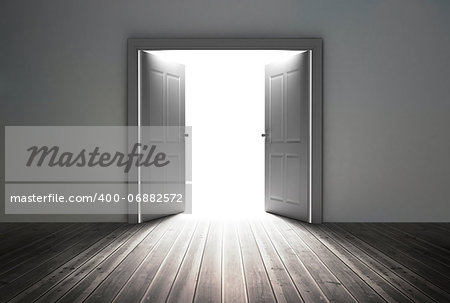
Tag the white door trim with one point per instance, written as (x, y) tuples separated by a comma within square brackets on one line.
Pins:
[(314, 45)]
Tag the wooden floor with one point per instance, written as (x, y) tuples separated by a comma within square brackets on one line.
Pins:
[(184, 259)]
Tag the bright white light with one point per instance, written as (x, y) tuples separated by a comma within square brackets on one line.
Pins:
[(225, 107)]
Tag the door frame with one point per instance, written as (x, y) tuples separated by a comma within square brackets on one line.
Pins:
[(314, 45)]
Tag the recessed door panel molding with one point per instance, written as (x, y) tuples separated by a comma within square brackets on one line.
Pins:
[(173, 109), (276, 172), (292, 189), (155, 91), (173, 100), (276, 108), (293, 107)]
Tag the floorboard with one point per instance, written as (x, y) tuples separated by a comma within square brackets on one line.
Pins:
[(185, 282), (16, 282), (60, 274), (159, 287), (209, 282), (24, 254), (99, 258), (403, 253), (333, 289), (392, 263), (282, 284), (303, 280), (189, 259), (435, 258), (357, 287), (259, 288), (234, 288), (136, 286), (367, 269), (433, 234), (121, 265)]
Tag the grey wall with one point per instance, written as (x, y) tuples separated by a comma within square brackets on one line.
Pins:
[(386, 83)]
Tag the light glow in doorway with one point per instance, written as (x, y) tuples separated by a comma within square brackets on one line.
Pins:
[(225, 107)]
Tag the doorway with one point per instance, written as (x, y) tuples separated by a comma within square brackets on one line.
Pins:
[(227, 157), (224, 103)]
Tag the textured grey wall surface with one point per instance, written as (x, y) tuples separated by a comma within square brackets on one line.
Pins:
[(386, 84)]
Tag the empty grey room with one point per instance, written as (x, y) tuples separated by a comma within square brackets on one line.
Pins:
[(237, 151)]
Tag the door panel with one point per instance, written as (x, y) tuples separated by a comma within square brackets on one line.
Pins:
[(153, 88), (162, 89), (276, 108), (276, 176), (287, 140), (173, 107), (293, 108)]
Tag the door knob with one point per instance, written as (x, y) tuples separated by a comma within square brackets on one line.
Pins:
[(186, 135), (264, 135)]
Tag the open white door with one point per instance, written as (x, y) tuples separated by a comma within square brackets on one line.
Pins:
[(287, 137), (162, 107)]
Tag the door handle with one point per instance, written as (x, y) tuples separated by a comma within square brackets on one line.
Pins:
[(264, 135)]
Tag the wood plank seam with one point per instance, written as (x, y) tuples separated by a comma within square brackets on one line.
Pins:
[(396, 268)]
